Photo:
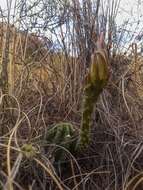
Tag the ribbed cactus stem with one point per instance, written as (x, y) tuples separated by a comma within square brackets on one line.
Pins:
[(96, 80), (90, 98), (62, 134)]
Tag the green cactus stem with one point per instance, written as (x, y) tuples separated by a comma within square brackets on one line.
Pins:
[(96, 80), (91, 95), (62, 134)]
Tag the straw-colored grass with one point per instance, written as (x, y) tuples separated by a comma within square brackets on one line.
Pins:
[(46, 88)]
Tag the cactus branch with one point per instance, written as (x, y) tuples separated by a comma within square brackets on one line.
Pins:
[(96, 81)]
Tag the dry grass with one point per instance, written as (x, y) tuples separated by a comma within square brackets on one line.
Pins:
[(47, 89)]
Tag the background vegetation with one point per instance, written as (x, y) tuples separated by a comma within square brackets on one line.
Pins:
[(46, 50)]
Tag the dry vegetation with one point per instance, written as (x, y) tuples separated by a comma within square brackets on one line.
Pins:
[(40, 87)]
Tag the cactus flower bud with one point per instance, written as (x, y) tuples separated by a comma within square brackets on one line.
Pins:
[(99, 73)]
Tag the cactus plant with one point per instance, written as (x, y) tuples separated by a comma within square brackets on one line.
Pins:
[(96, 80), (61, 133), (64, 134)]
